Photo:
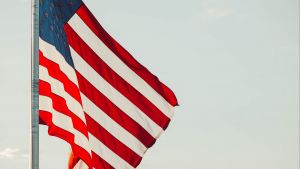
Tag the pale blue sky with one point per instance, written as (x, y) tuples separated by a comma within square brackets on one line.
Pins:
[(233, 64)]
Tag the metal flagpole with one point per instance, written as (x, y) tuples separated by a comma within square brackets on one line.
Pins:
[(34, 139)]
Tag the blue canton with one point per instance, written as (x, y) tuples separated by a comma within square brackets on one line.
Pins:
[(54, 14)]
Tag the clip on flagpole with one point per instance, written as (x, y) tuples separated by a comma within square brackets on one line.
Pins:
[(34, 128)]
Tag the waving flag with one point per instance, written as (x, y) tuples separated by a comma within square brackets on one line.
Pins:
[(93, 94)]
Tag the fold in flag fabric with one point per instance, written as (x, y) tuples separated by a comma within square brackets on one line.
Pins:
[(93, 94)]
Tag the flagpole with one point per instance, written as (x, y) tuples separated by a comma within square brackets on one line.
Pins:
[(34, 138)]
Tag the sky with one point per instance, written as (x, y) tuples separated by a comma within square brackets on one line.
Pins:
[(234, 66)]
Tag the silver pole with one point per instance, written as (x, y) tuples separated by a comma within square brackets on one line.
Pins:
[(34, 139)]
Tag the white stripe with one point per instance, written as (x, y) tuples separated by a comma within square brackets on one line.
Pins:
[(114, 96), (112, 127), (80, 165), (52, 54), (57, 87), (106, 154), (64, 122), (118, 66)]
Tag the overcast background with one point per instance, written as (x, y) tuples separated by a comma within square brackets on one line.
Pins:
[(234, 66)]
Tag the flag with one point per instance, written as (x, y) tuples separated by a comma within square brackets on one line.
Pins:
[(93, 94)]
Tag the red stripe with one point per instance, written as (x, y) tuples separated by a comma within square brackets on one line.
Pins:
[(112, 143), (55, 72), (114, 112), (114, 79), (125, 56), (73, 160), (60, 105), (99, 163), (54, 130)]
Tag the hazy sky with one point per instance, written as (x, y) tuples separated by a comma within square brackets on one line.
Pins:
[(234, 66)]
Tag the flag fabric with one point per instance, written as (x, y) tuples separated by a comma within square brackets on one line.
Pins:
[(93, 94)]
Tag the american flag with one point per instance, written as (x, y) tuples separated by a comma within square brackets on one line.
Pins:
[(93, 94)]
